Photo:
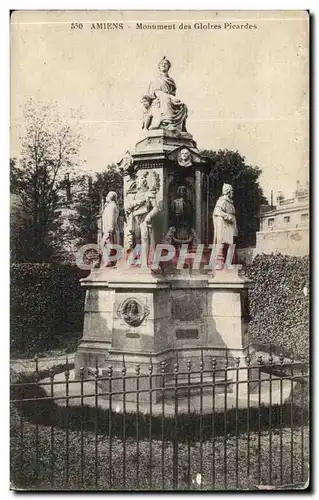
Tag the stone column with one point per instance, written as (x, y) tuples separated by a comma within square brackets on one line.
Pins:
[(198, 203), (207, 212), (165, 200)]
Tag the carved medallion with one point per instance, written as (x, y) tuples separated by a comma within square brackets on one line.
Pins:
[(133, 311), (184, 158)]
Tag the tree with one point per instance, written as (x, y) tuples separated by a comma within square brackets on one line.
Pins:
[(230, 167), (88, 201), (49, 153)]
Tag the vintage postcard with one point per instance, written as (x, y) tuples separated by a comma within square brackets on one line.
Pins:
[(159, 244)]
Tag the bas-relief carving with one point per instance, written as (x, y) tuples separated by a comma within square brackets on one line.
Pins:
[(144, 181), (133, 311), (184, 158)]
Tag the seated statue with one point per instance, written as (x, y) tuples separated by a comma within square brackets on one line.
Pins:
[(161, 108)]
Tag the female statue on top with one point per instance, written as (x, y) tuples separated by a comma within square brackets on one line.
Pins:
[(161, 108)]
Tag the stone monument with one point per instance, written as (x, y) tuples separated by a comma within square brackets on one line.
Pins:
[(136, 312)]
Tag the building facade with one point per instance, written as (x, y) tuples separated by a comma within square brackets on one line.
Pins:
[(285, 227)]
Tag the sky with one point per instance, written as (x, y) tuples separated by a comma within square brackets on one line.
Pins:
[(246, 89)]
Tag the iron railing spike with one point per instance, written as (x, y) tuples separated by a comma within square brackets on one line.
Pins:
[(36, 360)]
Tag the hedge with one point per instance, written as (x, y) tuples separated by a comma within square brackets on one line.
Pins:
[(279, 309), (46, 306)]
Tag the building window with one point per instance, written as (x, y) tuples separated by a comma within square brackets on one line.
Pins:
[(271, 222), (304, 217), (286, 219)]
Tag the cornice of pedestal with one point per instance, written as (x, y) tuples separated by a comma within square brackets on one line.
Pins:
[(159, 147), (131, 277), (229, 278), (162, 141), (136, 277)]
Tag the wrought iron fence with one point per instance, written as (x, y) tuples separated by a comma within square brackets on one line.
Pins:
[(230, 424)]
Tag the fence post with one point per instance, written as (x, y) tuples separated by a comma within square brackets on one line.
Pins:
[(124, 422), (137, 371), (175, 442), (162, 424), (237, 361), (150, 371)]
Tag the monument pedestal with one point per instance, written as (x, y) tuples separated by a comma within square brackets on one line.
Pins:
[(178, 318)]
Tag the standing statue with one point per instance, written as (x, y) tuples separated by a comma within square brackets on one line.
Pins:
[(140, 212), (109, 221), (181, 229), (224, 219), (161, 108), (181, 209)]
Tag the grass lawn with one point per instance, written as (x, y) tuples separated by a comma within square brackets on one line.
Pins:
[(47, 467)]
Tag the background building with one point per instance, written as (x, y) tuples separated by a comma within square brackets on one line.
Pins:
[(285, 227)]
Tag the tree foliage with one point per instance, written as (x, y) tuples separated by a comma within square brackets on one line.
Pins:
[(89, 199), (230, 167), (49, 152)]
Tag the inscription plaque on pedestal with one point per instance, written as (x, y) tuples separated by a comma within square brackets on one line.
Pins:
[(189, 333)]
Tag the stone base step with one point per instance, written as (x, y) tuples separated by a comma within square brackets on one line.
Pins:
[(196, 387)]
